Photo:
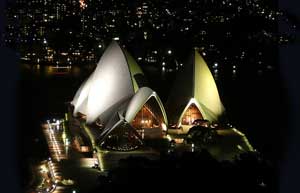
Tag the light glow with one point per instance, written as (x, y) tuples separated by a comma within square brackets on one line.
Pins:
[(206, 91), (169, 137), (82, 5), (164, 127), (112, 78)]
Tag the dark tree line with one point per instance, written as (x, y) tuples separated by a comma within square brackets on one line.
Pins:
[(191, 172)]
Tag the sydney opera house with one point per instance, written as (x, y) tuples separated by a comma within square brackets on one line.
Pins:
[(117, 104), (115, 100)]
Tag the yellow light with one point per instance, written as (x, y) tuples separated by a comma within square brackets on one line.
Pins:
[(83, 5), (169, 137), (164, 127), (179, 124), (64, 136), (43, 168)]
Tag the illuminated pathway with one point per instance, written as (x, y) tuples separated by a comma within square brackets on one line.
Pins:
[(55, 142), (58, 151), (66, 170)]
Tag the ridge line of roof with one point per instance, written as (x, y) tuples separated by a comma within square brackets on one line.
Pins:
[(125, 56)]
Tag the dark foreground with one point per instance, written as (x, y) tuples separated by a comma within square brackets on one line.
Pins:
[(191, 172)]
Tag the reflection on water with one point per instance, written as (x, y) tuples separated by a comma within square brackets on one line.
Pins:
[(49, 71)]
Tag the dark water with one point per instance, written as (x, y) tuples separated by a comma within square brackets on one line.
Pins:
[(40, 96)]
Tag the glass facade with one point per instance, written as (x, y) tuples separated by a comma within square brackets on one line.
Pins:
[(190, 115), (148, 121)]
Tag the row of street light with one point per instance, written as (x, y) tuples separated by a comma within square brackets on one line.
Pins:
[(55, 145)]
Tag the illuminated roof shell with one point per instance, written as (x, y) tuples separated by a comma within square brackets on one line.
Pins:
[(195, 85), (80, 98), (112, 83), (141, 98)]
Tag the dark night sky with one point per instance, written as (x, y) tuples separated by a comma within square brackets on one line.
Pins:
[(289, 61), (2, 5)]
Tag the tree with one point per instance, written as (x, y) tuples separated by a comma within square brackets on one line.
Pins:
[(201, 136)]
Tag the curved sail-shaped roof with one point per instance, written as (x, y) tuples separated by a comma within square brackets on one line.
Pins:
[(205, 90), (139, 99), (111, 82), (129, 112), (134, 70), (80, 98), (195, 85), (116, 78)]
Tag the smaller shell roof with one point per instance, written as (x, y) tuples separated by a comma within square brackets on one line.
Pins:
[(195, 85), (129, 110), (141, 98)]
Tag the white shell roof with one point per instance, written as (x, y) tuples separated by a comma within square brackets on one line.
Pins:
[(139, 99), (111, 83)]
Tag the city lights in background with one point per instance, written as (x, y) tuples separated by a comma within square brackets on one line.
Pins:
[(83, 4), (144, 21)]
